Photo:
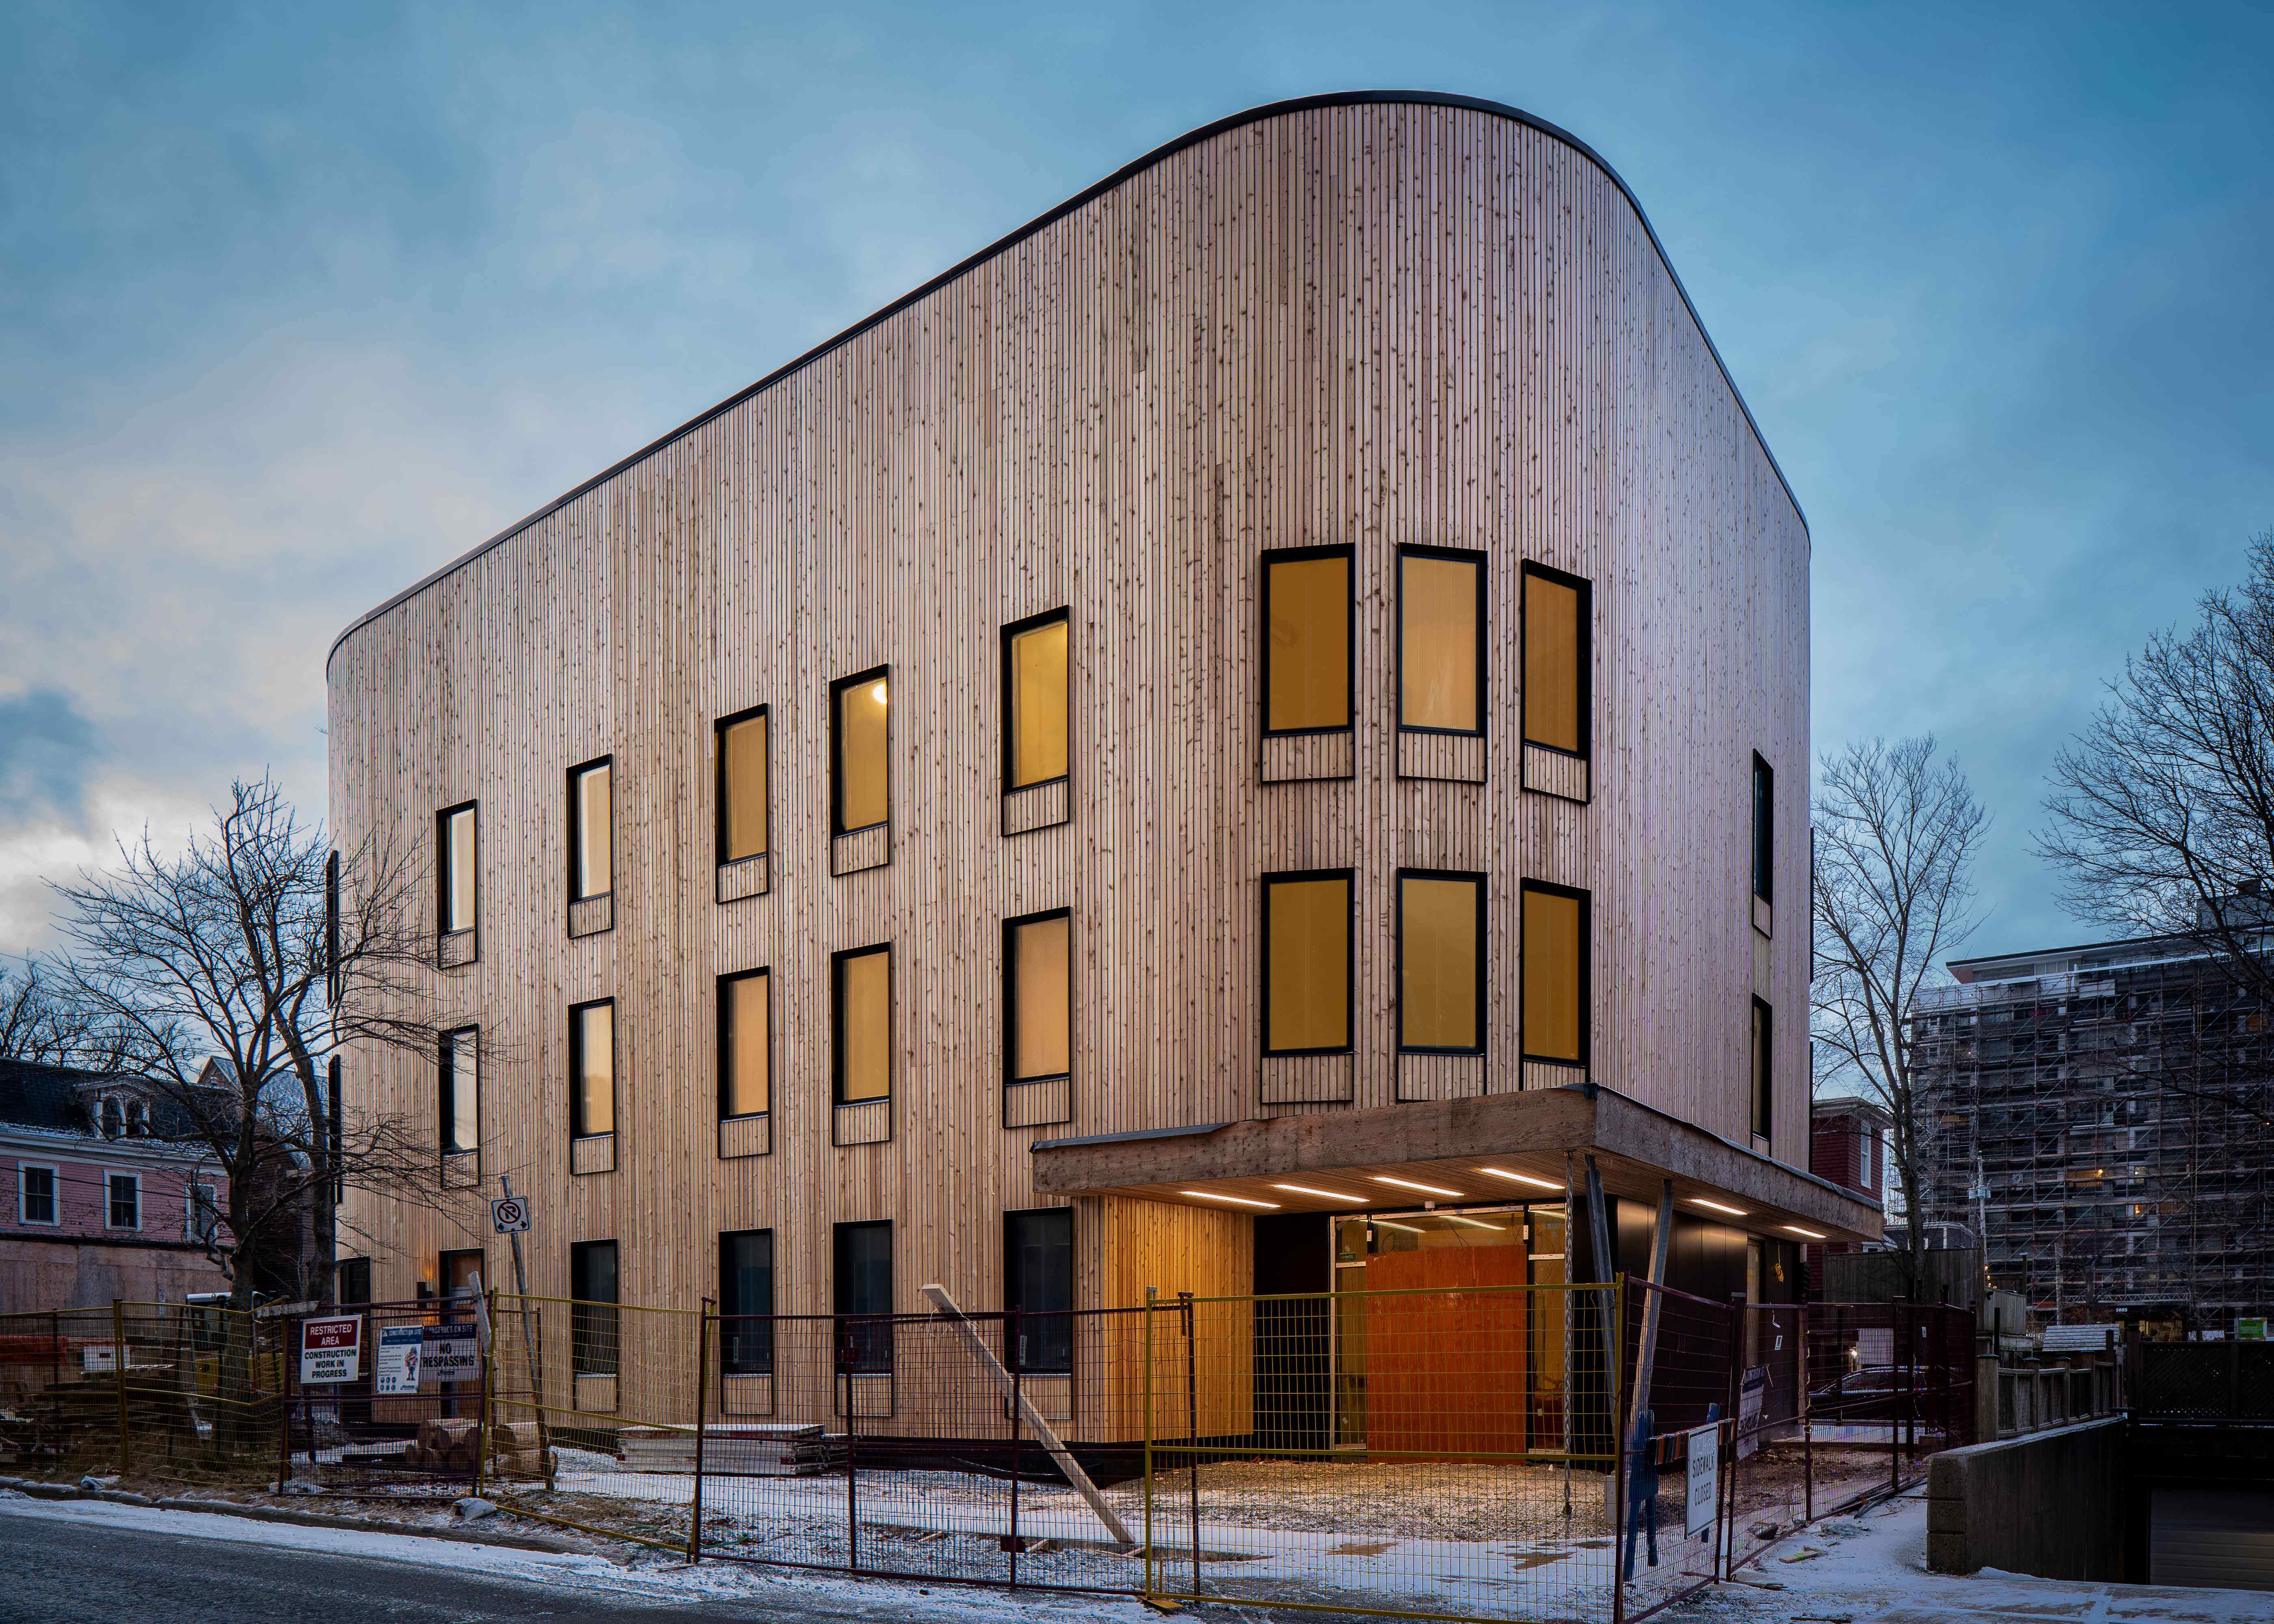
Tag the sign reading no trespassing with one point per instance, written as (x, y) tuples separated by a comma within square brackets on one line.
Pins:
[(1705, 1462), (331, 1349), (452, 1353)]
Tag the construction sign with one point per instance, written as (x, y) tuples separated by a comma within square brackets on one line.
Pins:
[(331, 1349)]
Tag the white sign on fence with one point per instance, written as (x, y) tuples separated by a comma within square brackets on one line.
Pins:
[(331, 1349), (453, 1353), (1749, 1393), (397, 1370), (1705, 1464), (98, 1357)]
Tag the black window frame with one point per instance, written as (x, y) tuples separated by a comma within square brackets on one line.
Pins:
[(718, 783), (725, 1057), (1037, 1341), (1761, 1069), (1484, 938), (111, 1180), (836, 962), (1587, 654), (54, 1217), (445, 1086), (1586, 900), (837, 751), (576, 1069), (745, 1349), (443, 872), (1292, 555), (863, 1339), (352, 1281), (577, 825), (1480, 562), (1349, 876), (595, 1343), (1011, 1078), (1764, 829), (1009, 718)]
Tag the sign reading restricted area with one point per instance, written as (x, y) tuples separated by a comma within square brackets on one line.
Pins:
[(331, 1349), (397, 1374), (453, 1353), (1704, 1449)]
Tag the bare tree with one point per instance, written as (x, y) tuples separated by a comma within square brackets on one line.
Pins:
[(231, 975), (2162, 813), (39, 1024), (1897, 831)]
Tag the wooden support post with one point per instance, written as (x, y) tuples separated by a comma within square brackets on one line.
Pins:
[(1646, 1360), (1043, 1430), (701, 1408), (118, 1362)]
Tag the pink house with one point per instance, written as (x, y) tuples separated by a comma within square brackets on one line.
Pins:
[(96, 1200)]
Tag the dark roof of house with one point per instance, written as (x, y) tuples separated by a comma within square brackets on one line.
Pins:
[(32, 1095)]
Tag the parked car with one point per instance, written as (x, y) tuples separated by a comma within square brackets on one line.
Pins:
[(1873, 1393)]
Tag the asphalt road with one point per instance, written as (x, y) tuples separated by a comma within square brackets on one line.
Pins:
[(54, 1571)]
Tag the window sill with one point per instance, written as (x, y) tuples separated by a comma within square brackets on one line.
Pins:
[(1764, 916), (1553, 1073), (744, 1394), (462, 1170), (455, 951), (594, 1153), (1038, 806), (595, 1394), (1457, 758), (745, 878), (1423, 1074), (860, 850), (1307, 1079), (745, 1136), (1040, 1102), (589, 916), (865, 1122), (1556, 772), (1300, 758)]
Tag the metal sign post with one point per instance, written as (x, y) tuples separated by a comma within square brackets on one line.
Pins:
[(513, 1231)]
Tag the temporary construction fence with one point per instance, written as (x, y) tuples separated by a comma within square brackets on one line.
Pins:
[(1455, 1451)]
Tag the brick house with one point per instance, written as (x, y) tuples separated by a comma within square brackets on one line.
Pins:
[(1847, 1144)]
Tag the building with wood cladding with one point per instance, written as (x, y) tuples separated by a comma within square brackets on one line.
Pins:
[(1254, 721)]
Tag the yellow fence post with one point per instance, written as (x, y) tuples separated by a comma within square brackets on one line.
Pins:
[(118, 1375)]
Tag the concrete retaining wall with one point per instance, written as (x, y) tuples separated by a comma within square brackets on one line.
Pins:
[(2050, 1504)]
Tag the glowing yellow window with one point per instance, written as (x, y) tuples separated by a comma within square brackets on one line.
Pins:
[(1555, 974), (743, 786), (1037, 697), (1440, 639), (458, 870), (743, 1042), (862, 706), (1040, 1001), (1555, 660), (865, 1024), (1307, 962), (1307, 657), (1441, 919), (593, 813), (592, 1069)]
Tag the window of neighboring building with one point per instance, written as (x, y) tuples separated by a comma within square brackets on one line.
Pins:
[(459, 1075), (1307, 630), (332, 927), (864, 988), (1307, 962), (1557, 660), (35, 1193), (593, 1309), (113, 1118), (204, 1212), (746, 1302), (1441, 640), (1763, 831), (355, 1279), (745, 1042), (860, 710), (1764, 1104), (741, 749), (591, 830), (1039, 995), (125, 1192), (1034, 701), (862, 1283), (1554, 973), (592, 1069), (138, 1120), (456, 869), (1441, 962), (1038, 1288)]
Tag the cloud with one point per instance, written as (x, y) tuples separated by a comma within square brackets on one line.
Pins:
[(47, 748)]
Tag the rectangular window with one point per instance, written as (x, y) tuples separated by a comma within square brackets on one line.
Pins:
[(460, 1073), (1038, 1289), (861, 1284), (1307, 962), (864, 978), (1308, 628), (37, 1192), (125, 1191), (592, 1308), (1763, 831), (1441, 640), (741, 749), (1441, 959), (745, 1043), (860, 713), (591, 830), (1764, 1101), (592, 1069), (1555, 981), (1557, 661), (355, 1279), (455, 870), (1034, 701), (1039, 997), (746, 1302), (204, 1216), (462, 1275)]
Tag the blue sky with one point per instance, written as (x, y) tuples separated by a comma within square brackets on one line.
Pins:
[(297, 303)]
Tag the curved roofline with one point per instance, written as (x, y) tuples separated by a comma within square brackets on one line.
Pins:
[(1193, 137)]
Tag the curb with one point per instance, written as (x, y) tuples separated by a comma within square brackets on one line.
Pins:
[(37, 1490)]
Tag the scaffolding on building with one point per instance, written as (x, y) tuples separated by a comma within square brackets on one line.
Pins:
[(2103, 1129)]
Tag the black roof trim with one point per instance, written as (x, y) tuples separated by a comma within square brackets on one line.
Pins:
[(1130, 1137), (1255, 115)]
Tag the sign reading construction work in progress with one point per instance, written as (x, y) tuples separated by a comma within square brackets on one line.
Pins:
[(331, 1349), (396, 1373), (1705, 1463), (453, 1353)]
